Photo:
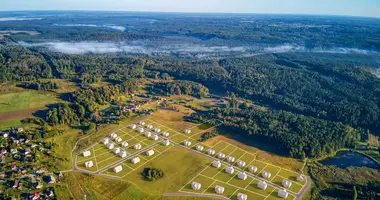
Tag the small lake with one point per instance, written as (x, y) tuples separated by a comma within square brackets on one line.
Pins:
[(345, 159)]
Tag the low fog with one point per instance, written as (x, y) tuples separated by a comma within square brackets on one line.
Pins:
[(119, 28), (3, 19)]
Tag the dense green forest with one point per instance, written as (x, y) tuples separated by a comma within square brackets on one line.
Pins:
[(183, 87)]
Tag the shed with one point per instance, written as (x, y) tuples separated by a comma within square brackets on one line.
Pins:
[(166, 142), (188, 131), (118, 169), (242, 175), (300, 178), (266, 174), (230, 159), (113, 135), (240, 163), (262, 185), (116, 150), (282, 194), (211, 152), (86, 153), (142, 123), (252, 169), (157, 130), (187, 143), (196, 186), (123, 154), (219, 189), (155, 137), (150, 126), (110, 145), (137, 146), (148, 134), (165, 134), (89, 164), (199, 147), (140, 130), (221, 155), (150, 152), (133, 126), (135, 160), (105, 141), (286, 183), (124, 144), (230, 170), (242, 196), (118, 139), (216, 163)]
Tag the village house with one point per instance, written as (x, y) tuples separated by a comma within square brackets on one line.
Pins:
[(148, 134), (89, 164), (116, 150), (157, 130), (110, 146), (230, 159), (229, 170), (282, 194), (118, 169), (135, 160), (166, 142), (211, 152), (187, 131), (123, 154), (155, 137), (196, 186), (199, 147), (219, 189), (240, 163), (133, 126), (242, 196), (286, 183), (221, 155), (262, 185), (140, 130), (216, 163), (300, 178), (86, 153), (187, 143), (242, 175), (266, 174), (252, 169), (165, 134), (137, 146), (150, 152)]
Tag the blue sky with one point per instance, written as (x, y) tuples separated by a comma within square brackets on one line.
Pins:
[(330, 7)]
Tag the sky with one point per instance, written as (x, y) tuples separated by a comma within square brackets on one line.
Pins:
[(370, 8)]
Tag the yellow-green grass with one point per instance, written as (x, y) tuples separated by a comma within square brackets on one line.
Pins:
[(237, 154), (295, 187), (219, 146), (240, 183), (107, 162), (250, 195), (292, 176), (224, 176), (211, 171), (161, 148), (228, 150), (80, 157), (229, 190), (200, 128), (25, 100), (126, 170), (179, 138), (260, 165), (9, 124), (204, 181), (274, 196), (272, 169), (247, 158), (143, 160), (253, 188)]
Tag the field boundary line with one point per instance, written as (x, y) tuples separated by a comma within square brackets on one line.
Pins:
[(270, 193), (96, 162), (196, 176), (291, 180), (209, 187), (275, 176), (249, 184), (233, 193)]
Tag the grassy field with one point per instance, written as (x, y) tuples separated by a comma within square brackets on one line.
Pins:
[(25, 100)]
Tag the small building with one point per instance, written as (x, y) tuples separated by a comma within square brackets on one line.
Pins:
[(242, 175), (300, 178), (221, 155), (155, 137), (150, 152), (230, 170), (211, 152), (187, 131), (166, 142), (157, 130), (51, 179), (219, 189), (137, 146), (135, 160), (199, 147), (148, 134), (196, 186), (150, 126), (283, 194), (105, 141), (230, 159), (216, 163), (123, 154), (262, 185), (113, 135), (86, 153), (118, 139), (187, 143), (286, 183), (242, 196), (118, 169), (252, 169), (124, 144), (266, 174), (240, 163), (142, 123), (133, 126), (89, 164), (165, 134), (116, 150), (140, 130), (110, 145), (34, 196)]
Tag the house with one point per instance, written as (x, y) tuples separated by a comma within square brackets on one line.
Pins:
[(165, 134), (135, 160), (123, 154), (105, 141), (166, 142), (196, 186), (20, 186), (216, 163), (221, 155), (286, 183), (230, 159), (282, 194), (20, 130), (140, 130), (157, 130), (211, 152), (118, 169), (39, 185), (137, 146), (51, 179), (133, 126), (27, 151), (240, 163), (110, 145), (252, 169), (199, 147), (113, 135), (150, 126), (13, 168), (142, 123), (5, 135), (187, 131), (15, 184), (13, 151), (300, 178), (242, 175), (86, 153), (230, 170), (124, 144), (34, 196), (116, 150), (262, 185), (89, 164), (150, 152), (155, 137), (148, 134), (118, 139), (187, 143), (266, 174), (3, 151), (219, 189), (242, 196)]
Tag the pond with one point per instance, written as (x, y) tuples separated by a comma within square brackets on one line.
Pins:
[(345, 159)]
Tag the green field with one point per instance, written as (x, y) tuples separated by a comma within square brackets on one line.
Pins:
[(25, 100)]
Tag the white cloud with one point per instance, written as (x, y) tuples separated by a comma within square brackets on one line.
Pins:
[(3, 19), (119, 28)]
